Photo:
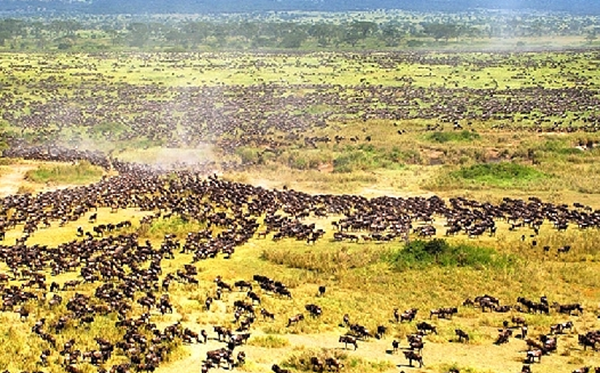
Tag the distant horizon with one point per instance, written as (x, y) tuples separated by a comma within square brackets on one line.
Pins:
[(579, 7)]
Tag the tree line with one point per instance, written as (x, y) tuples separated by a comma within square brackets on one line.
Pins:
[(115, 33)]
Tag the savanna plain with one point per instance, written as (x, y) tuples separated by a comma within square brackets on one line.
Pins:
[(150, 196)]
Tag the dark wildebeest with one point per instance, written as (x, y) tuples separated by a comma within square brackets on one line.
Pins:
[(295, 319), (462, 336), (411, 355), (348, 339), (321, 291)]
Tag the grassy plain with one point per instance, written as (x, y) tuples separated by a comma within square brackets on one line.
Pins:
[(486, 161)]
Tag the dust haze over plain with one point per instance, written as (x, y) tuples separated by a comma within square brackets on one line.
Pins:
[(591, 7)]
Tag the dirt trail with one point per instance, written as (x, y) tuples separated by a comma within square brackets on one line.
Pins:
[(12, 178), (480, 358)]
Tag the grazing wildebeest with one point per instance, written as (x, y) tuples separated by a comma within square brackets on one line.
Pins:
[(295, 319), (243, 285), (503, 336), (425, 327), (395, 346), (583, 370), (381, 331), (534, 354), (409, 315), (266, 314), (276, 369), (317, 364), (253, 296), (411, 355), (461, 335), (222, 332), (568, 308), (443, 312), (314, 310), (333, 363), (321, 291), (348, 339)]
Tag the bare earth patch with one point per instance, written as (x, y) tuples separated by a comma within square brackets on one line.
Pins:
[(13, 177)]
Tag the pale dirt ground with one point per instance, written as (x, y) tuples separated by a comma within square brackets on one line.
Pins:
[(485, 357), (12, 178)]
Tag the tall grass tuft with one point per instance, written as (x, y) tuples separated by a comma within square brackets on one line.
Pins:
[(268, 341), (300, 361), (443, 137), (367, 158), (81, 173), (331, 262)]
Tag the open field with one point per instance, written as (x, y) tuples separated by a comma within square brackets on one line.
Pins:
[(395, 180)]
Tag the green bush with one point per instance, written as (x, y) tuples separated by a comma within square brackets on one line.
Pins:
[(367, 158), (499, 173), (420, 254)]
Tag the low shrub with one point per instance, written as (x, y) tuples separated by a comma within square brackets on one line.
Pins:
[(419, 254), (499, 174), (368, 157)]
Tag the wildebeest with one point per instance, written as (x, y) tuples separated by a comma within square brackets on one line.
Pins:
[(276, 369), (295, 319), (333, 364), (462, 336), (348, 339), (321, 291), (534, 354), (314, 310), (317, 364), (411, 355), (568, 308), (266, 314), (425, 327)]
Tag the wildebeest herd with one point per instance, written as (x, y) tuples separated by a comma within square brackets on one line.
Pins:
[(129, 282), (108, 272), (257, 115)]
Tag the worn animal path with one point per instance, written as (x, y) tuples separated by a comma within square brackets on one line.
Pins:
[(486, 357), (12, 177)]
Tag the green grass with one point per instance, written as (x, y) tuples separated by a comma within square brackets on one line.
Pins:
[(501, 175), (420, 254), (366, 158), (498, 172), (81, 173), (173, 225), (443, 137)]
